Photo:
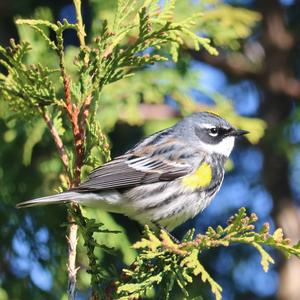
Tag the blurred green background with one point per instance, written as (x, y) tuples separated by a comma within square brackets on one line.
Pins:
[(254, 82)]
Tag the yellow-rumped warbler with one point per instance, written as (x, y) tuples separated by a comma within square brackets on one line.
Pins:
[(166, 179)]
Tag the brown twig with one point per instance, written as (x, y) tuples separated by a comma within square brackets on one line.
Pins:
[(85, 110), (72, 235), (73, 112), (58, 141), (72, 270)]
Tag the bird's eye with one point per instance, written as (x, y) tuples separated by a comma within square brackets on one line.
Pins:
[(213, 131)]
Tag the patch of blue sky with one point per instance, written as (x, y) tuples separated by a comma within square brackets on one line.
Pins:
[(68, 12), (42, 235), (20, 266), (24, 266), (20, 245), (294, 133), (211, 78), (41, 277), (43, 252), (25, 263), (294, 177), (287, 2), (248, 277), (234, 192), (228, 293), (201, 97), (245, 96), (224, 262), (261, 202), (171, 102), (41, 239), (249, 160), (29, 223)]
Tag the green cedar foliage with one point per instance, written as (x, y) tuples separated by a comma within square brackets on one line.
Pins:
[(165, 263), (85, 91)]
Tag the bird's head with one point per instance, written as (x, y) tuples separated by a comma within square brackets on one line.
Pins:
[(211, 133)]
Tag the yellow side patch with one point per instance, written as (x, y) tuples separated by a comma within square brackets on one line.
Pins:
[(200, 178)]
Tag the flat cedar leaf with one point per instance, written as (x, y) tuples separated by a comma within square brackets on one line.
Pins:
[(31, 22), (165, 237), (148, 255), (215, 287), (174, 49), (58, 124), (189, 235), (139, 288), (265, 229), (286, 249), (186, 276), (193, 263), (210, 231), (278, 235), (182, 283), (266, 259), (151, 242), (220, 229)]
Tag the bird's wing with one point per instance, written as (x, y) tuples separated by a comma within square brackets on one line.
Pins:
[(142, 165)]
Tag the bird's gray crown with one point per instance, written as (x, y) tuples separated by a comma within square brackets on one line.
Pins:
[(202, 119), (208, 118)]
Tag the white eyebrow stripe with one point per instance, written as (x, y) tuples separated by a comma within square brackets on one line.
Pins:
[(208, 126)]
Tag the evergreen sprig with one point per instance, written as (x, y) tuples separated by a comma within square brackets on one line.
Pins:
[(25, 87), (163, 262)]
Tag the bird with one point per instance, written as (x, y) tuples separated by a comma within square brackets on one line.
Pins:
[(165, 179)]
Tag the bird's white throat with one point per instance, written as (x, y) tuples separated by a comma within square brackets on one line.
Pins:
[(224, 147)]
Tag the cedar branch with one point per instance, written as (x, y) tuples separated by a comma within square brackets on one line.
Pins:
[(85, 109), (72, 270), (80, 32), (58, 141), (72, 113)]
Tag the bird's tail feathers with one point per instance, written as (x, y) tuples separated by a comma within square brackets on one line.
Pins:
[(64, 197)]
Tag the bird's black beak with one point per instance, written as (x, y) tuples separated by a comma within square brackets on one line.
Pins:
[(238, 132)]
